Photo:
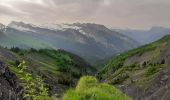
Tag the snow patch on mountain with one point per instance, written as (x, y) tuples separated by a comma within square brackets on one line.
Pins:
[(22, 26), (84, 33), (70, 26), (62, 27), (51, 26)]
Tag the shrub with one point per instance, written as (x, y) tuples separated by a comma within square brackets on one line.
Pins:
[(15, 49), (17, 62), (86, 82), (120, 78), (89, 88), (152, 70), (33, 50), (35, 89)]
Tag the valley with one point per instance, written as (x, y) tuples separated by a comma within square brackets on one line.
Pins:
[(84, 50), (92, 42), (58, 62)]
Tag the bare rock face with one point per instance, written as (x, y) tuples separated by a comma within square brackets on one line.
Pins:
[(9, 87)]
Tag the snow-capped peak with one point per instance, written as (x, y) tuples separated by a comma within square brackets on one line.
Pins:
[(21, 26), (51, 26), (62, 27), (70, 26)]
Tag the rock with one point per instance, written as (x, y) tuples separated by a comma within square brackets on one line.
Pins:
[(163, 61), (165, 78), (9, 86)]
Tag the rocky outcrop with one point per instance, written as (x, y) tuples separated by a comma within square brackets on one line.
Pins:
[(160, 88), (9, 87)]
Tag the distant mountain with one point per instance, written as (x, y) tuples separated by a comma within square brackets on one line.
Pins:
[(142, 73), (90, 41), (146, 36)]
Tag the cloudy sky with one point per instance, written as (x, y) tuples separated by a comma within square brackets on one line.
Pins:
[(136, 14)]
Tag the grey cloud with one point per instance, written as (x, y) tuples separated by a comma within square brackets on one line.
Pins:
[(4, 10), (58, 9), (116, 13)]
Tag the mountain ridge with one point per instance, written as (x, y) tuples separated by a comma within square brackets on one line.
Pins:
[(146, 36), (90, 41)]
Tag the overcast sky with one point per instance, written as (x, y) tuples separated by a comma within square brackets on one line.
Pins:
[(136, 14)]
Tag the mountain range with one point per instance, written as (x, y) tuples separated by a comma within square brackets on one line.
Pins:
[(90, 41), (50, 62), (145, 36)]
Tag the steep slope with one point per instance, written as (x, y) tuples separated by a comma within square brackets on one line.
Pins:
[(142, 73), (9, 85), (59, 69), (146, 36), (90, 41)]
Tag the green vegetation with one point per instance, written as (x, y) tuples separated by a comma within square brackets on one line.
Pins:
[(59, 69), (152, 69), (35, 88), (139, 66), (89, 88), (141, 75), (51, 72), (28, 41), (118, 62)]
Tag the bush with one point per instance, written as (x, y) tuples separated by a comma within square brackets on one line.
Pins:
[(89, 88), (17, 62), (86, 82), (120, 78), (152, 70), (35, 89), (15, 49)]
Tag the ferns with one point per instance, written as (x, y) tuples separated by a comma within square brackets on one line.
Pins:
[(34, 87)]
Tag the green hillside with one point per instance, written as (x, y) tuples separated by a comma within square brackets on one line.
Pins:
[(49, 72), (59, 69), (139, 69), (140, 73), (22, 40)]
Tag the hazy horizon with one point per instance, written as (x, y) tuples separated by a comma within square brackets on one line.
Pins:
[(132, 14)]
